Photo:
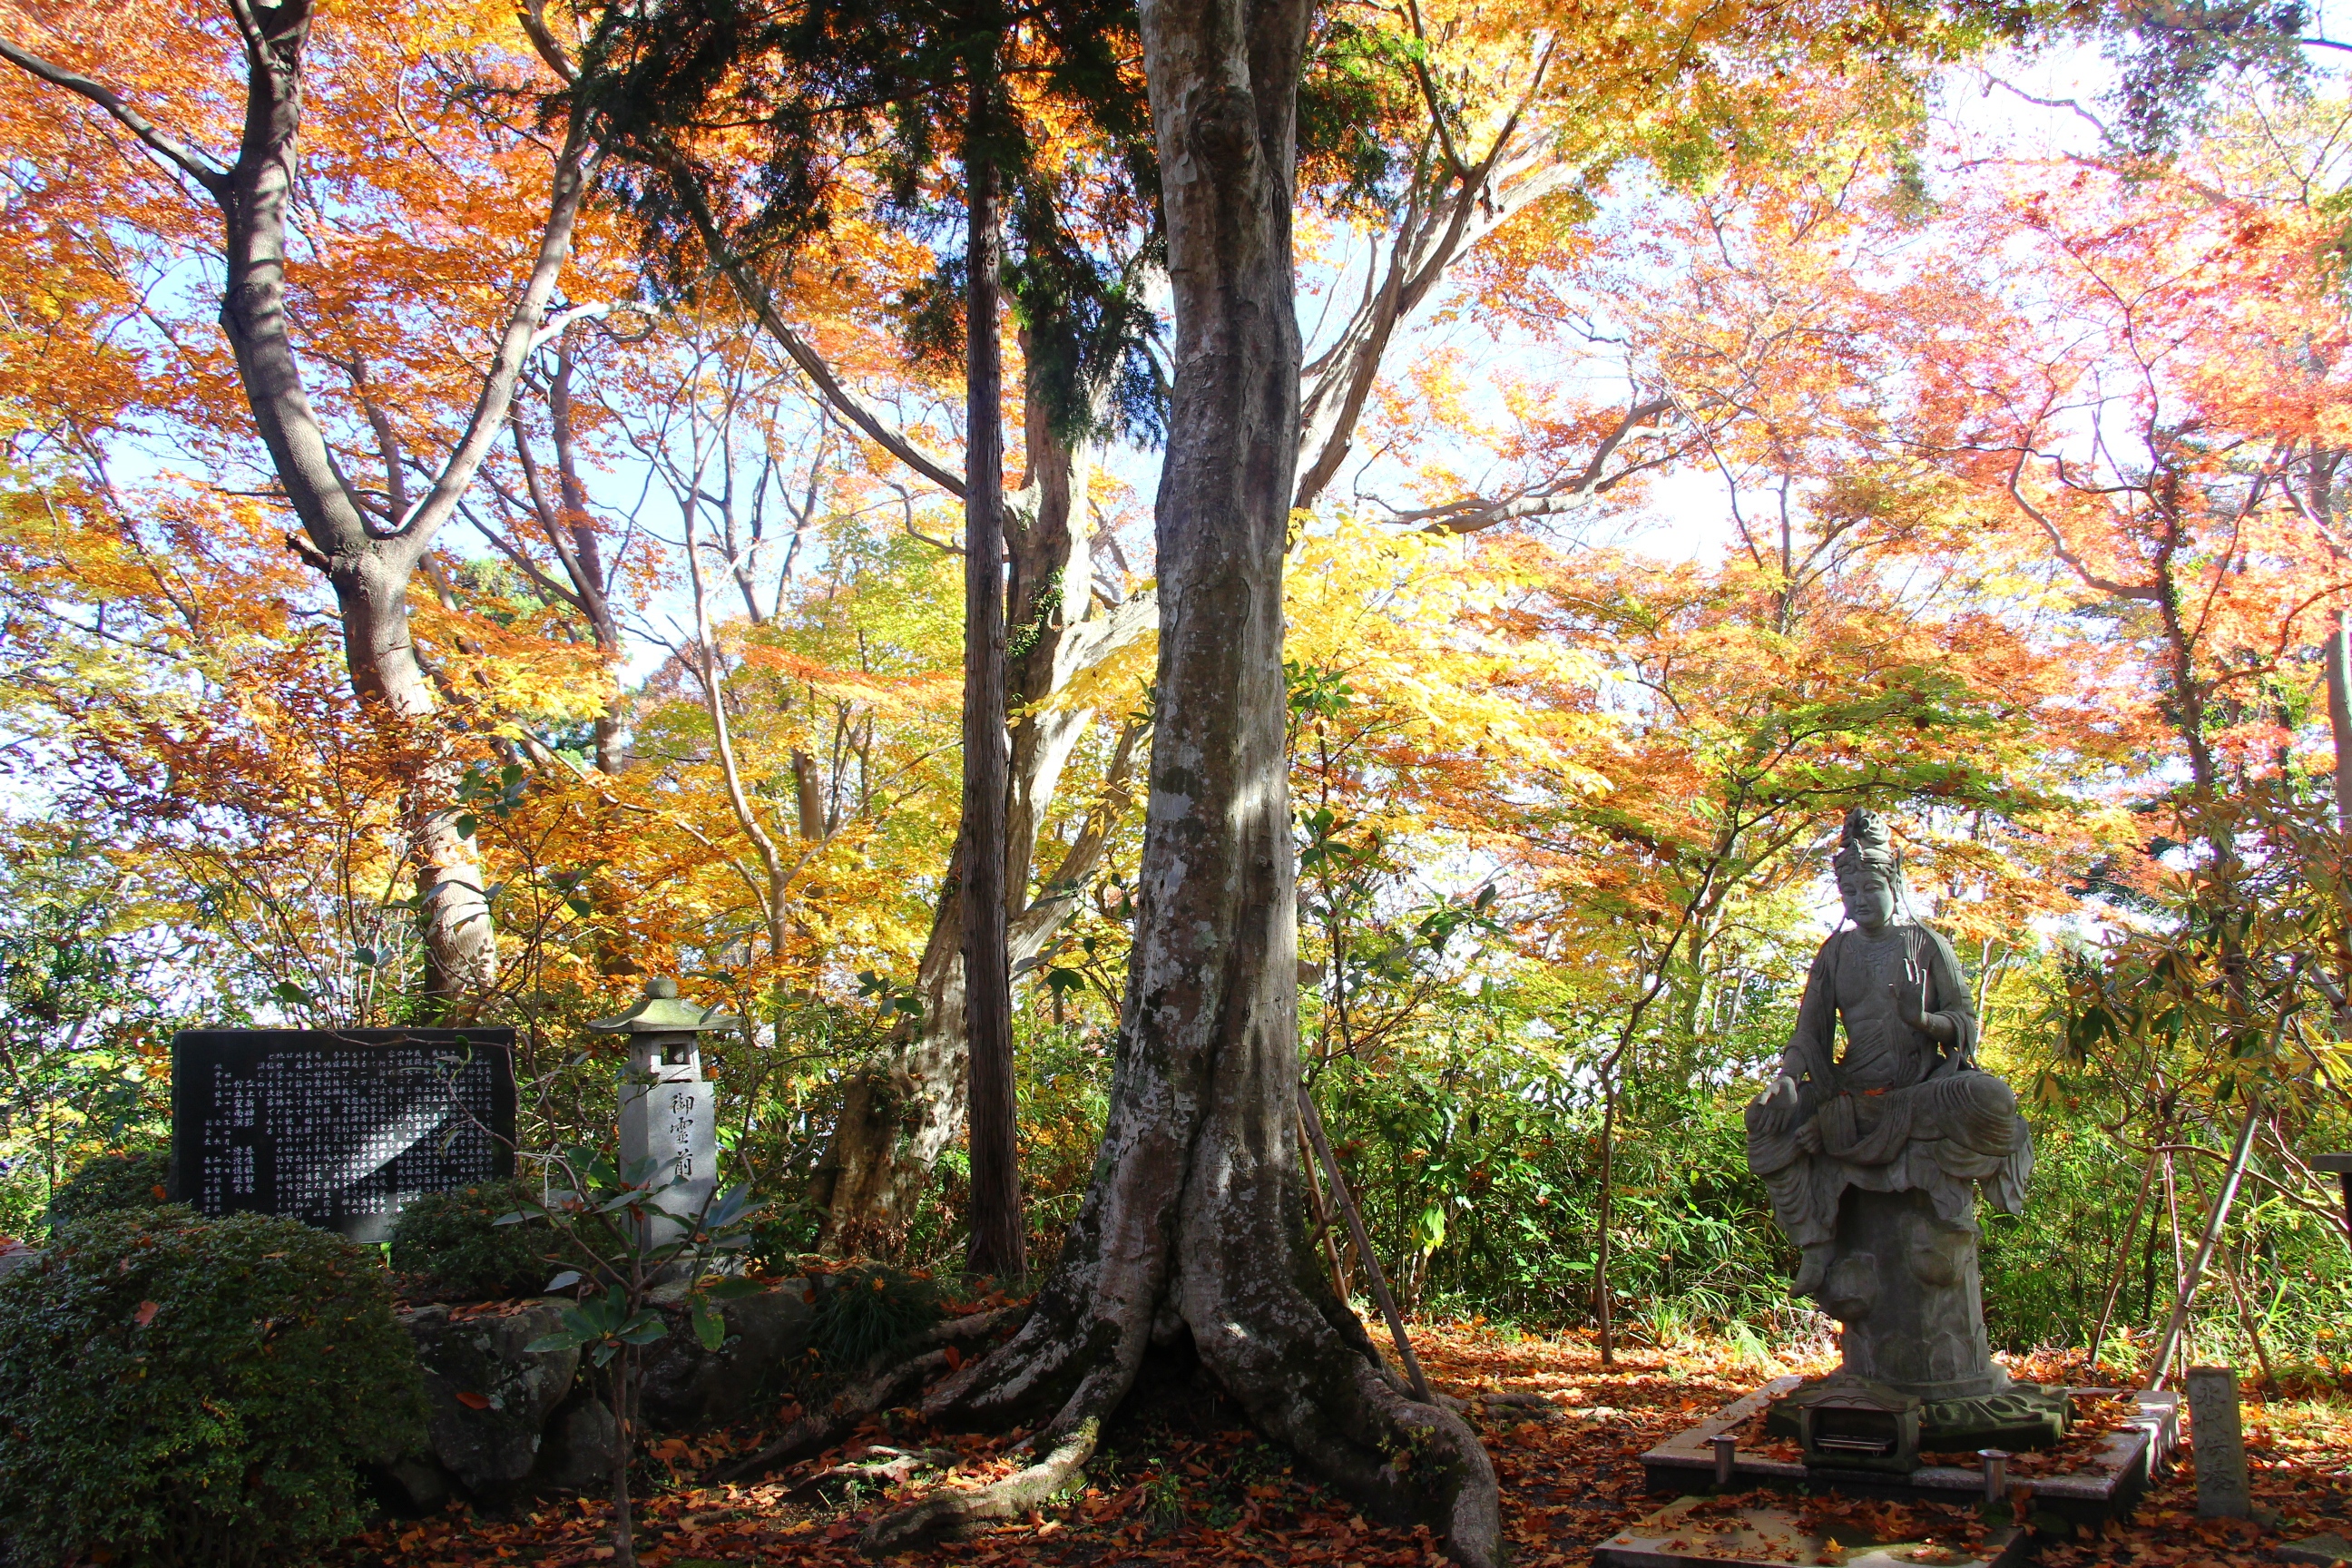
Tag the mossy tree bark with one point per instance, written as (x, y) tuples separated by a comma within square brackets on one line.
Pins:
[(1194, 1226)]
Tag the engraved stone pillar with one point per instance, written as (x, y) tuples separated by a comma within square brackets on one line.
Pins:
[(669, 1112), (2221, 1444)]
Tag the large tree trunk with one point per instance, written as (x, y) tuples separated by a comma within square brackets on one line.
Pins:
[(1195, 1228)]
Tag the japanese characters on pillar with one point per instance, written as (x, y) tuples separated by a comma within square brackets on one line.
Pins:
[(669, 1112)]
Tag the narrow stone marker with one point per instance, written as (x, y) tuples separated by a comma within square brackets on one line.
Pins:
[(2219, 1443)]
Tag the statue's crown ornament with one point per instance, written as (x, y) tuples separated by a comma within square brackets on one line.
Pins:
[(1866, 843)]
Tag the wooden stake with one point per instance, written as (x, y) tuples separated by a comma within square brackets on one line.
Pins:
[(1323, 1219), (2123, 1254), (2253, 1329)]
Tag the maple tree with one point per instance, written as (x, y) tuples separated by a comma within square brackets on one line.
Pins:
[(2168, 426), (367, 543), (1558, 796)]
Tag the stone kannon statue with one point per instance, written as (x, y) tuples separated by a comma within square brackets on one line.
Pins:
[(1873, 1156)]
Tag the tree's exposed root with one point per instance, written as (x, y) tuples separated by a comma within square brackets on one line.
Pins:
[(1433, 1468), (947, 1514), (1534, 1407), (1304, 1380), (935, 1350), (879, 1465)]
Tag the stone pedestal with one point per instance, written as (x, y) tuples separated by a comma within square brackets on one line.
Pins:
[(1918, 1375), (2105, 1481), (1908, 1291), (1699, 1533)]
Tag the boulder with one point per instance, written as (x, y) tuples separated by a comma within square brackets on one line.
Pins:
[(580, 1444), (488, 1398), (412, 1486), (505, 1423), (685, 1388)]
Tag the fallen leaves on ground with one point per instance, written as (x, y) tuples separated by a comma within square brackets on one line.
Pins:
[(1566, 1435)]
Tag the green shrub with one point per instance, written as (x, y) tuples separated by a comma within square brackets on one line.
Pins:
[(865, 1311), (456, 1239), (185, 1391), (109, 1183)]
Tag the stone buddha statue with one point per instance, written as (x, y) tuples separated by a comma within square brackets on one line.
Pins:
[(1873, 1156)]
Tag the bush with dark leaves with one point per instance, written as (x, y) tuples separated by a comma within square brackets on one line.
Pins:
[(110, 1184), (183, 1391), (455, 1239)]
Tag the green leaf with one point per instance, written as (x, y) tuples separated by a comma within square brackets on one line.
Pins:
[(643, 1327), (708, 1326), (561, 1340)]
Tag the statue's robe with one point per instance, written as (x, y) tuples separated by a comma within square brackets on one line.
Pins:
[(1899, 1111)]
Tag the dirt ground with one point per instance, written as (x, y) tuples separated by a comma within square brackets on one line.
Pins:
[(1182, 1480)]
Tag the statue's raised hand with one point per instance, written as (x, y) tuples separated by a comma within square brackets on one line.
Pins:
[(1781, 1095), (1909, 997)]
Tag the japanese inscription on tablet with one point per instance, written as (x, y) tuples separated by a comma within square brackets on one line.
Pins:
[(338, 1129)]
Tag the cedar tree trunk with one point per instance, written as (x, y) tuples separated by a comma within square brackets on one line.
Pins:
[(899, 1114), (1194, 1226), (996, 1242)]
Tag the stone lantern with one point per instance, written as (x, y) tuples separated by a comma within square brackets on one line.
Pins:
[(669, 1110)]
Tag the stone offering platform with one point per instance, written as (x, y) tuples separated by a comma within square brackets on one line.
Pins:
[(1698, 1532), (2103, 1483)]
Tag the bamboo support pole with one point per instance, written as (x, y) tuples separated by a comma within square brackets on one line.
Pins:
[(1314, 1121), (2215, 1218)]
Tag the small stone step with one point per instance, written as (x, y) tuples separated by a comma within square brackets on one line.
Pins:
[(1702, 1532)]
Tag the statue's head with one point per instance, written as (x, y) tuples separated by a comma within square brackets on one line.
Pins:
[(1869, 871)]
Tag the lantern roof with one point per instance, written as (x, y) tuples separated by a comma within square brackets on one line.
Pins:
[(662, 1011)]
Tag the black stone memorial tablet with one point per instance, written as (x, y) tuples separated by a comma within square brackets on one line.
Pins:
[(338, 1128)]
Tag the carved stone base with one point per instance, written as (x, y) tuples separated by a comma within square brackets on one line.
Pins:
[(2023, 1416), (2104, 1482), (1906, 1288), (1845, 1422)]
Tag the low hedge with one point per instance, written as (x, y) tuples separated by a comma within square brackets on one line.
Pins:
[(182, 1391), (455, 1240), (108, 1184)]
